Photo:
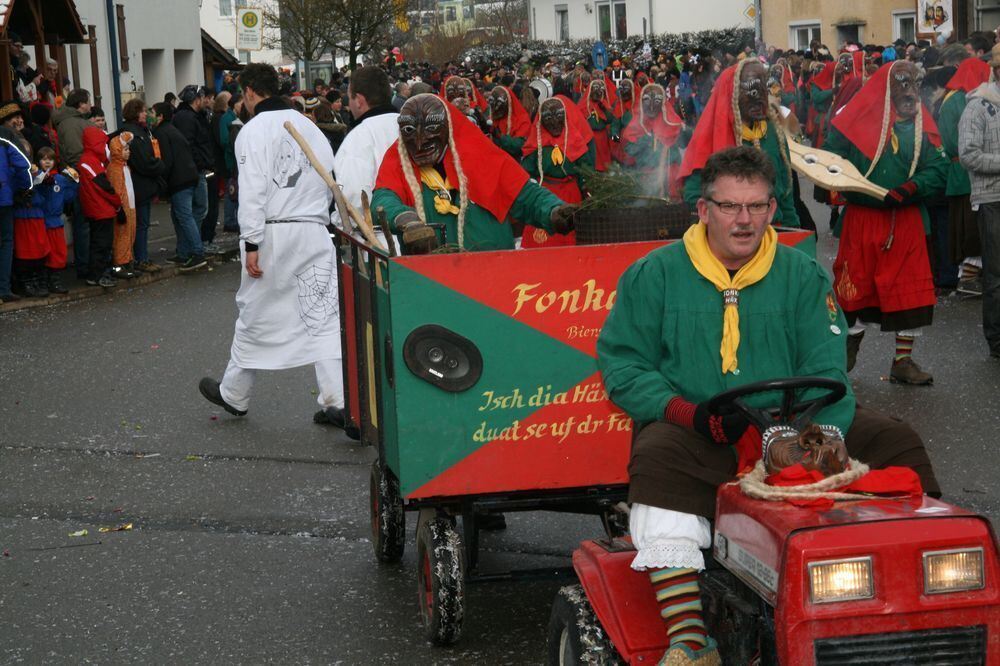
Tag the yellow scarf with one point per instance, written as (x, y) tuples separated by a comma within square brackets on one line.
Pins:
[(755, 133), (430, 177), (710, 268)]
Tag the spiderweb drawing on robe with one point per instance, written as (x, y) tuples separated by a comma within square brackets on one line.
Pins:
[(317, 298)]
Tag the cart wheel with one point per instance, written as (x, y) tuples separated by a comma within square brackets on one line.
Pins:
[(440, 581), (387, 517), (575, 634)]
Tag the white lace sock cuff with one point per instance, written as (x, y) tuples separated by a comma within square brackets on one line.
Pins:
[(666, 538), (678, 553)]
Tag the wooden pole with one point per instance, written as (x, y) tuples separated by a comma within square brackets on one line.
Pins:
[(95, 73), (342, 203), (6, 73)]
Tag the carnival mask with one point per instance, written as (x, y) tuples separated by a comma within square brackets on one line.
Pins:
[(625, 90), (553, 116), (903, 89), (597, 91), (652, 101), (455, 89), (753, 93), (845, 64), (423, 128), (774, 76), (498, 103), (584, 79)]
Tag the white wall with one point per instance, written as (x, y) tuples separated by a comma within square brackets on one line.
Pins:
[(668, 16), (223, 30), (155, 30)]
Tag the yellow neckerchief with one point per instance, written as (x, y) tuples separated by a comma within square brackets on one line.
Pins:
[(430, 177), (557, 156), (710, 268), (756, 132)]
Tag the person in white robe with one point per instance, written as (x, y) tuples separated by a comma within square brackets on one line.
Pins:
[(287, 300)]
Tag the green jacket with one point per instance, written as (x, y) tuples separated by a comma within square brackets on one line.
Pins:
[(783, 190), (662, 338), (566, 169), (951, 112), (647, 152), (533, 205), (69, 124), (893, 168), (511, 145)]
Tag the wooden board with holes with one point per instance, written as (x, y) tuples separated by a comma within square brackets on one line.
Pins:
[(831, 171)]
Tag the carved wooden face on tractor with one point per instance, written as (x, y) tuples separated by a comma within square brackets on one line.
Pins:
[(423, 128)]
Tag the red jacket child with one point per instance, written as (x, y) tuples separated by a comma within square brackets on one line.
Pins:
[(97, 196)]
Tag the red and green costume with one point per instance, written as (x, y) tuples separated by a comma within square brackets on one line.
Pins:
[(820, 100), (625, 112), (963, 232), (511, 131), (496, 187), (603, 122), (561, 159), (882, 272), (716, 131), (652, 145)]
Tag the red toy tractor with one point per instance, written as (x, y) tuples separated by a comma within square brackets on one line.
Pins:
[(879, 581)]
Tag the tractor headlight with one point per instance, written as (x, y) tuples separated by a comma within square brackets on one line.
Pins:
[(841, 580), (953, 570)]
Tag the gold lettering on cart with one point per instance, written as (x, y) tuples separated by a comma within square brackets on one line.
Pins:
[(587, 298)]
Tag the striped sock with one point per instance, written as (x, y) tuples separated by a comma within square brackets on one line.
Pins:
[(904, 347), (679, 597), (969, 271)]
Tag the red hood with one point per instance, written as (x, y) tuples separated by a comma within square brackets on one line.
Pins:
[(95, 143)]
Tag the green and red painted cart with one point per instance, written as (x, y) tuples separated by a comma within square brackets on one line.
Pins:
[(475, 377)]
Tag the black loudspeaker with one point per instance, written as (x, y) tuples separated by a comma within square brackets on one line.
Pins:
[(443, 358)]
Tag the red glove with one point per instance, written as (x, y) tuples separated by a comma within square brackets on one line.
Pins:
[(719, 429), (902, 195)]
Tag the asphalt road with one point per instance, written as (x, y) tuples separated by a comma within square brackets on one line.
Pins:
[(250, 539)]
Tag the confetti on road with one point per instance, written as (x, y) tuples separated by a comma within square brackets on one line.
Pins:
[(79, 533)]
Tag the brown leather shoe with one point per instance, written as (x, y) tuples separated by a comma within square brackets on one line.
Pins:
[(906, 371)]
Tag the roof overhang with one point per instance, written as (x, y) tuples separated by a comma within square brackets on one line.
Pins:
[(59, 19)]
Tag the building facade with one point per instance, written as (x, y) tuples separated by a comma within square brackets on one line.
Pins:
[(794, 23), (218, 19), (562, 20), (152, 47)]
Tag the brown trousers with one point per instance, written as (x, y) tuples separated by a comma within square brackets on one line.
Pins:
[(675, 468)]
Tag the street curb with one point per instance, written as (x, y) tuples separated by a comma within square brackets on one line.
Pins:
[(166, 271)]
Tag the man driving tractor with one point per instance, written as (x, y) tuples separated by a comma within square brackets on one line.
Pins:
[(726, 307)]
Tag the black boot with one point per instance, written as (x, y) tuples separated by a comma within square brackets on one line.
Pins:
[(34, 286), (853, 345), (56, 285)]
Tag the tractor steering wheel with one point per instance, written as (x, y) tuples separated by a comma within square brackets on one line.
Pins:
[(791, 413)]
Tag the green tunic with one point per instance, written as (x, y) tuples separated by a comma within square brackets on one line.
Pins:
[(533, 206), (612, 124), (951, 112), (893, 168), (566, 169), (647, 152), (820, 99), (662, 338), (511, 145), (786, 215)]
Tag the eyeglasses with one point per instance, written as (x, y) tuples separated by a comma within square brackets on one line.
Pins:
[(731, 208)]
